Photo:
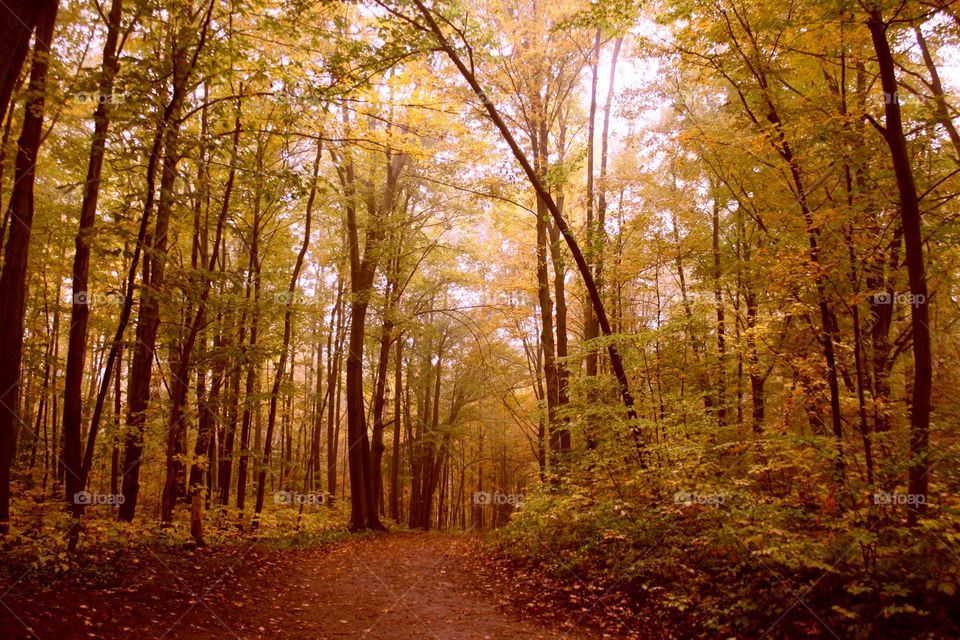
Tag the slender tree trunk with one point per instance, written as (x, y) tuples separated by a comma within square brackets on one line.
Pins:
[(253, 296), (590, 328), (117, 426), (334, 357), (227, 454), (721, 400), (396, 462), (80, 309), (539, 138), (913, 241), (148, 324), (383, 362), (314, 478), (363, 502)]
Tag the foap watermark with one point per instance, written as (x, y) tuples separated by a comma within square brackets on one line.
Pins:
[(87, 298), (483, 97), (891, 297), (496, 498), (693, 497), (295, 499), (900, 98), (896, 498), (93, 499), (286, 297), (84, 97)]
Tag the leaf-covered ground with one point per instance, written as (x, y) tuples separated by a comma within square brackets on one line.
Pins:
[(393, 586)]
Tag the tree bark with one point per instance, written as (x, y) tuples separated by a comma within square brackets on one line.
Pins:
[(15, 32), (80, 309), (916, 272), (721, 399), (13, 281), (396, 462)]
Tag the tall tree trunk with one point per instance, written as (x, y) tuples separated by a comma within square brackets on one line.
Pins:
[(395, 463), (80, 309), (559, 432), (148, 324), (916, 273), (313, 477), (231, 420), (334, 358), (757, 380), (364, 512), (253, 297), (602, 185), (721, 399), (379, 403), (13, 281), (539, 138), (590, 329), (391, 301)]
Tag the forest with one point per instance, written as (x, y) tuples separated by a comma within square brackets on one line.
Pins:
[(479, 319)]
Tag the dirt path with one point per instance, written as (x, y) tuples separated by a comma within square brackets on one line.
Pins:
[(398, 586)]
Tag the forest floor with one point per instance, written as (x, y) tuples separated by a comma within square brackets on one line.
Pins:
[(400, 585)]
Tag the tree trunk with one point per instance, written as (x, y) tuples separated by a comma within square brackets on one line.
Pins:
[(148, 324), (334, 358), (913, 241), (383, 361), (590, 329), (80, 309), (364, 512), (721, 396), (395, 464), (15, 32), (13, 281), (253, 297)]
